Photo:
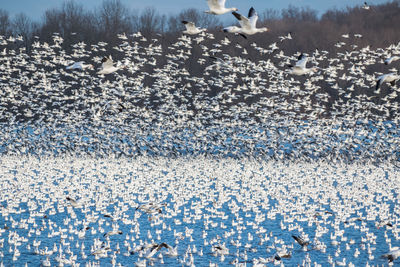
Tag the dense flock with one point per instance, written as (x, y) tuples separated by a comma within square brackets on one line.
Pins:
[(212, 150), (177, 100), (196, 212)]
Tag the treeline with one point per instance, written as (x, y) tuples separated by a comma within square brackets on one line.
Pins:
[(379, 25)]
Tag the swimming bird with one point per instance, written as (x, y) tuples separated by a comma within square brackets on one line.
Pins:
[(217, 7), (391, 78), (300, 67), (248, 25), (108, 66), (191, 28)]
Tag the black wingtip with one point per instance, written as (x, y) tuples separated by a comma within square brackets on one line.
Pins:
[(237, 15), (244, 36), (252, 11), (185, 22), (377, 85)]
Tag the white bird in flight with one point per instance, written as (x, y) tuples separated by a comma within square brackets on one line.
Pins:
[(248, 25), (79, 65), (191, 28), (217, 7), (391, 59), (391, 78), (108, 66), (300, 67)]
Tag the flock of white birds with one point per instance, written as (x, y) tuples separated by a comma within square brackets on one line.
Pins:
[(196, 212), (196, 154)]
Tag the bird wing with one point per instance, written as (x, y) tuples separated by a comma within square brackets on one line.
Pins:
[(155, 248), (300, 240), (221, 3), (253, 17), (243, 21), (213, 4), (379, 82), (302, 61), (189, 25), (107, 62)]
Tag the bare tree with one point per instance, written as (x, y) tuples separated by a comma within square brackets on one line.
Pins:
[(22, 25), (199, 18), (149, 21), (113, 18), (4, 22)]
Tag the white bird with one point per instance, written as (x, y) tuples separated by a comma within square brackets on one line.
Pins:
[(108, 66), (366, 6), (392, 255), (391, 78), (248, 25), (156, 247), (73, 202), (391, 59), (300, 67), (79, 65), (287, 37), (46, 262), (217, 7), (191, 28), (151, 208)]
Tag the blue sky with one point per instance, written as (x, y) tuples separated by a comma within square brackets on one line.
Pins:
[(35, 8)]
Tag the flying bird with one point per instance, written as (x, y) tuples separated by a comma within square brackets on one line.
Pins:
[(300, 67), (301, 241), (391, 59), (391, 78), (217, 7), (108, 66), (366, 6), (79, 65), (392, 255), (248, 24), (191, 28)]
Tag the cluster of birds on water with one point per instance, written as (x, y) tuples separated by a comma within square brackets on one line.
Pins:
[(150, 212)]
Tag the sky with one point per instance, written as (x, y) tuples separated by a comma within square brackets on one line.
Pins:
[(35, 8)]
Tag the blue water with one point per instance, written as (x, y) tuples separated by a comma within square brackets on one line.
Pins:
[(260, 205), (253, 187)]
